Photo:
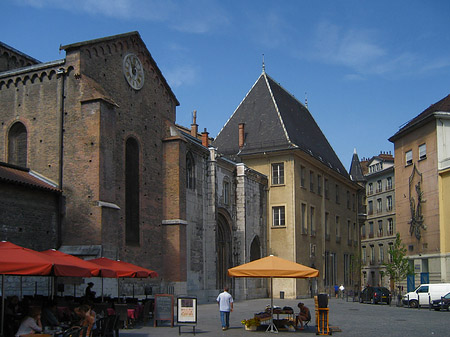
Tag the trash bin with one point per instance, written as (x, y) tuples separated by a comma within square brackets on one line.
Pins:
[(281, 295)]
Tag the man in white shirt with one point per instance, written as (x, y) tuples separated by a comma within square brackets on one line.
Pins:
[(225, 302)]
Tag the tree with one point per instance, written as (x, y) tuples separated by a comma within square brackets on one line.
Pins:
[(398, 267)]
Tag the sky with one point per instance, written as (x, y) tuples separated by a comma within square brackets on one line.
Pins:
[(366, 67)]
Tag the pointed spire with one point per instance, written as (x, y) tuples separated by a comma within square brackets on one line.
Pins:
[(263, 65), (306, 100)]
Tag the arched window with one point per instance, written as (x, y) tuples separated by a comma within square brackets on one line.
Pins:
[(255, 249), (190, 171), (226, 191), (17, 145), (132, 199)]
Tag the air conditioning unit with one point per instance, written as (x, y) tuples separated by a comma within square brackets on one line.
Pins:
[(312, 250)]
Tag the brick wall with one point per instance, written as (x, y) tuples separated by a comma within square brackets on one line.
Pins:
[(28, 217)]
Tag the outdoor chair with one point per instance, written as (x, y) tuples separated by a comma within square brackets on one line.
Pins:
[(147, 311), (72, 332), (83, 331), (122, 313)]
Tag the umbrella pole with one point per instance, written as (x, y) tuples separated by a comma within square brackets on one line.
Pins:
[(102, 291), (3, 303), (271, 327)]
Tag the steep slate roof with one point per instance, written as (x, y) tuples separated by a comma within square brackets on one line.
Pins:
[(275, 120), (24, 176), (442, 106), (356, 172)]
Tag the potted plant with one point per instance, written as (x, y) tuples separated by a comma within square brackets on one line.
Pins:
[(251, 324)]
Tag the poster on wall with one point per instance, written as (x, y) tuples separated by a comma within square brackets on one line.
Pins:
[(187, 310)]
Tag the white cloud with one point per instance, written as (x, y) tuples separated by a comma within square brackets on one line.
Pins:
[(355, 49), (363, 54), (182, 75), (197, 17)]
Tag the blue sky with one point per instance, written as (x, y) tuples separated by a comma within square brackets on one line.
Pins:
[(366, 67)]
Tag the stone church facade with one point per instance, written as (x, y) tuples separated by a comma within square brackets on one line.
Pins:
[(99, 126)]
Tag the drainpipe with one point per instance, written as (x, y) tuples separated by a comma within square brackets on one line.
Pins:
[(62, 75)]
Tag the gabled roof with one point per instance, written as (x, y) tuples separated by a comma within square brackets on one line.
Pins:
[(442, 106), (23, 176), (356, 173), (275, 120), (129, 35)]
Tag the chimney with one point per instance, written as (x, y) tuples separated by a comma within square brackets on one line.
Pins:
[(205, 139), (241, 135), (194, 125)]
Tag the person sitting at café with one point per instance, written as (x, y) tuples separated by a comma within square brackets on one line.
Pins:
[(87, 317), (50, 314), (303, 316), (31, 323), (90, 294)]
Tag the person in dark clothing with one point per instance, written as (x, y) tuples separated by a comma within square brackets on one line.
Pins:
[(90, 295)]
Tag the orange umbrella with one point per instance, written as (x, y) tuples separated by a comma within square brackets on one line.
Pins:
[(273, 266), (270, 267), (69, 265)]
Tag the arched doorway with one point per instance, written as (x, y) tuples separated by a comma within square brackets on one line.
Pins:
[(255, 249), (224, 251)]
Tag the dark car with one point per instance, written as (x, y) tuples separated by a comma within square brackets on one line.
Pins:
[(443, 303), (375, 295)]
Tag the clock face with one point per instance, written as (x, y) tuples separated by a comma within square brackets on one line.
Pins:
[(133, 71)]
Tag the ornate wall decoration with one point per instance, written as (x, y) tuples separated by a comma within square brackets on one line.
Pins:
[(416, 224)]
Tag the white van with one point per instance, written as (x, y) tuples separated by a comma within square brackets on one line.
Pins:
[(425, 294)]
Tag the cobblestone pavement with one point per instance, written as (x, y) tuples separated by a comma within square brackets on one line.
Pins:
[(352, 318)]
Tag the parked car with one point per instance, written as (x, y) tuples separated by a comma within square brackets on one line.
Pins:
[(375, 295), (443, 303), (425, 294)]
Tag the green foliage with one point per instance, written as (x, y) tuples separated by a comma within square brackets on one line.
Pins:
[(399, 267)]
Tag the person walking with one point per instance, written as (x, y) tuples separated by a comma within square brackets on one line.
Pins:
[(225, 302)]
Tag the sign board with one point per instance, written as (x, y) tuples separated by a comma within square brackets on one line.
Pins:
[(163, 308), (187, 310)]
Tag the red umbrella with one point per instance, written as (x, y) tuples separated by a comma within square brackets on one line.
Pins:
[(69, 265), (16, 260), (111, 268), (140, 271)]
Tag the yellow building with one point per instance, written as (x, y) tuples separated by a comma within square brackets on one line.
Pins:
[(422, 176), (312, 202)]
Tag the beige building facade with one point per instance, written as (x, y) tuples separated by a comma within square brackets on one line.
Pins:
[(422, 164), (312, 203)]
